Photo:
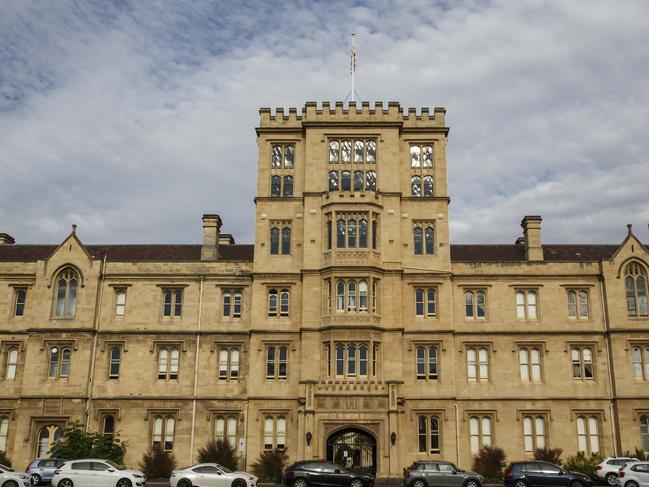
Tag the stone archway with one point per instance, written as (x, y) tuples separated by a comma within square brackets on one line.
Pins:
[(353, 448)]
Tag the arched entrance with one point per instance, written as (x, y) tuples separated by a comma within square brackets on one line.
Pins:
[(352, 448)]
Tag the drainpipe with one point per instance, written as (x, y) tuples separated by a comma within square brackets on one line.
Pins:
[(610, 367), (93, 352), (455, 404), (197, 361)]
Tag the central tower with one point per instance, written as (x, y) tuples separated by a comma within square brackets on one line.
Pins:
[(351, 223)]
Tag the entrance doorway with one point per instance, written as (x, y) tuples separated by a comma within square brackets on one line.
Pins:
[(352, 448)]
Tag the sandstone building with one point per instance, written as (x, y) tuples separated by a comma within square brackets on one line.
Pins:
[(352, 329)]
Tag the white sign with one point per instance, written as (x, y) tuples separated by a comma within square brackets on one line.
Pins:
[(345, 453), (242, 445)]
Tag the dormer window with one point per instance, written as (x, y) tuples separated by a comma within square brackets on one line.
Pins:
[(67, 284)]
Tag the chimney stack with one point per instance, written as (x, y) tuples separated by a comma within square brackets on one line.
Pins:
[(6, 239), (211, 230), (532, 233)]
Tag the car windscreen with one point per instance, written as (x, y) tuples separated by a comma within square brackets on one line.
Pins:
[(225, 470), (5, 468)]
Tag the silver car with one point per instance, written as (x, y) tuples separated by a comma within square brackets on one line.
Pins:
[(634, 474), (95, 472), (10, 478), (211, 475)]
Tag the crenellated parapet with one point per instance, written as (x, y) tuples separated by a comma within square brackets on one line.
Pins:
[(339, 112)]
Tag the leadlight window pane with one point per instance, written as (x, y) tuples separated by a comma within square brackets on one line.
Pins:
[(351, 360), (60, 297), (72, 298), (351, 296), (346, 182), (481, 298), (572, 304), (362, 234), (540, 432), (21, 294), (54, 362), (576, 363), (484, 363), (166, 308), (163, 363), (370, 181), (65, 362), (283, 310), (471, 364), (289, 156), (431, 304), (419, 302), (237, 304), (4, 430), (520, 305), (340, 296), (637, 363), (527, 433), (223, 364), (334, 148), (415, 156), (12, 364), (272, 303), (428, 156), (340, 359), (415, 183), (486, 431), (268, 433), (286, 241), (358, 151), (174, 363), (468, 304), (371, 151), (474, 431), (536, 364), (588, 363), (362, 291), (274, 241), (157, 431), (333, 181), (234, 363), (227, 300), (277, 156), (434, 434), (583, 304), (362, 355), (340, 234), (169, 433), (430, 240), (432, 363), (346, 150), (219, 429), (178, 305), (276, 186), (594, 435), (418, 240), (531, 305), (120, 303), (283, 356), (421, 364), (422, 434), (524, 364), (642, 295), (288, 186), (281, 432), (351, 233), (358, 180), (232, 431), (428, 186), (270, 363), (115, 361)]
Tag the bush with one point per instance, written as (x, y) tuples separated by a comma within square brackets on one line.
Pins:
[(78, 443), (583, 464), (546, 454), (269, 467), (4, 459), (638, 453), (219, 451), (490, 462), (157, 463)]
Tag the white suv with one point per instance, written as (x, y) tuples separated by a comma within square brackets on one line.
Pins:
[(635, 474), (607, 470), (96, 473)]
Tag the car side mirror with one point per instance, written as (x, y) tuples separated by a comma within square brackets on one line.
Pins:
[(111, 469), (337, 470)]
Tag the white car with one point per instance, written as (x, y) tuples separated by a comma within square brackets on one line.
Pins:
[(608, 468), (211, 475), (10, 478), (634, 474), (96, 473)]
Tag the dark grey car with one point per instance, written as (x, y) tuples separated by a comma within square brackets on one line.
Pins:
[(439, 474)]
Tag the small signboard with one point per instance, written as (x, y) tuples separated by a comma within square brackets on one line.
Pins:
[(242, 445)]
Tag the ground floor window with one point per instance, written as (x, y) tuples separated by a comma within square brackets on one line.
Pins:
[(428, 434)]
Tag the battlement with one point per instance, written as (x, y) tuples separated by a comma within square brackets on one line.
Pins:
[(352, 112)]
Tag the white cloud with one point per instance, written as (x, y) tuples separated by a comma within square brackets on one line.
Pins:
[(133, 120)]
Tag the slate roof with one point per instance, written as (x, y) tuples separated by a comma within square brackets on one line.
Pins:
[(516, 253)]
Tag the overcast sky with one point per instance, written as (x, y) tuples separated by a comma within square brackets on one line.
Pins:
[(133, 118)]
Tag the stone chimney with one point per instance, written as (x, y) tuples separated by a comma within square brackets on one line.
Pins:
[(211, 230), (532, 234), (6, 239)]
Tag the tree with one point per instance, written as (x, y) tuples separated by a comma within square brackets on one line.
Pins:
[(547, 454), (4, 459), (219, 451), (78, 443), (583, 464), (269, 467), (490, 462), (157, 463)]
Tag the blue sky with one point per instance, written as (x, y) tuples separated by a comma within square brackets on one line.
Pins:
[(132, 119)]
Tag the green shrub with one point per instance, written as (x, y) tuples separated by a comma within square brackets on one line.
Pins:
[(638, 453), (4, 459), (583, 464), (218, 451), (547, 454), (490, 462), (269, 467), (157, 463), (76, 443)]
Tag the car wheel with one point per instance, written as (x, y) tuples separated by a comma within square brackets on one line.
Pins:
[(184, 483), (611, 479), (36, 479), (300, 483), (356, 483), (10, 483), (631, 483), (520, 483), (238, 483), (65, 483), (419, 483), (576, 483), (472, 483), (124, 483)]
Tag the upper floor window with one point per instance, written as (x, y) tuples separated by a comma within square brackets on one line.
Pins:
[(11, 363), (282, 165), (163, 432), (4, 432), (278, 302), (427, 358), (530, 363), (172, 303), (274, 432), (475, 304), (228, 363), (416, 186), (108, 424), (526, 304), (533, 432), (582, 363), (232, 303), (280, 238), (477, 361), (276, 362), (635, 280), (588, 434), (641, 363), (578, 303), (115, 362), (352, 180), (168, 363), (424, 238), (428, 434), (59, 362), (353, 296), (426, 302), (67, 284), (225, 428), (480, 432), (20, 298), (350, 360), (421, 156), (359, 151), (283, 156), (421, 164), (120, 302)]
